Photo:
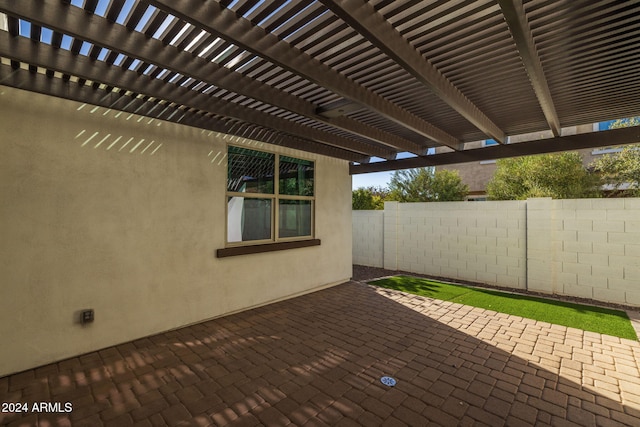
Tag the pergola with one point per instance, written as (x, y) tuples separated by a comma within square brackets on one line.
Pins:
[(348, 79)]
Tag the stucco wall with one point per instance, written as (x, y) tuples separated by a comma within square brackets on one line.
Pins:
[(587, 248), (123, 214)]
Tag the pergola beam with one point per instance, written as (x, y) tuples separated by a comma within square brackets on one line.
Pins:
[(233, 81), (40, 83), (22, 50), (100, 31), (514, 14), (362, 16), (224, 23), (556, 144)]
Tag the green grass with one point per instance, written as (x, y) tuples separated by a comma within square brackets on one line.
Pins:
[(579, 316)]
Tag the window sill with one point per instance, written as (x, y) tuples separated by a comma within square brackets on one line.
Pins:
[(266, 247)]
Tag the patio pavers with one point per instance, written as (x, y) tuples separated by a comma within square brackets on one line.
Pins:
[(318, 359)]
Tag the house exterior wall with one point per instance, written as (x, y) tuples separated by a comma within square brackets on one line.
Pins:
[(587, 248), (474, 174), (123, 214)]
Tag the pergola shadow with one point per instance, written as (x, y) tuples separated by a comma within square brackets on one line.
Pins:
[(319, 358)]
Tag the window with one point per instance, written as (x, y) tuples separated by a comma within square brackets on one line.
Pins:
[(270, 198)]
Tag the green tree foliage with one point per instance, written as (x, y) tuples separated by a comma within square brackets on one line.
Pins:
[(561, 176), (427, 185), (621, 171), (625, 123), (369, 198)]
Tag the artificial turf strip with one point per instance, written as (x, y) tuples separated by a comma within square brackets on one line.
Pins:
[(585, 317)]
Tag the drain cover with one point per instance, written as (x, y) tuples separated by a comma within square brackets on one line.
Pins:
[(388, 381)]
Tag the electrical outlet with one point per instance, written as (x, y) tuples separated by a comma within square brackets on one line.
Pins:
[(86, 316)]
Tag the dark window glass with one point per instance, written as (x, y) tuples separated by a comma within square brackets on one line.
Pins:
[(296, 177), (295, 218), (250, 171)]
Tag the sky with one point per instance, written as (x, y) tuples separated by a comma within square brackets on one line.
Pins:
[(378, 179), (375, 179)]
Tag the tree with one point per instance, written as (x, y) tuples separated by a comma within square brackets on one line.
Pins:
[(369, 198), (561, 176), (620, 172), (625, 123), (427, 185)]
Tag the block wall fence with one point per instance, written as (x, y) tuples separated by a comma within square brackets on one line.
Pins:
[(587, 248)]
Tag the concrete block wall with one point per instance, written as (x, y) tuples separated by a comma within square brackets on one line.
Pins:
[(541, 267), (590, 248), (368, 229), (587, 248), (483, 242)]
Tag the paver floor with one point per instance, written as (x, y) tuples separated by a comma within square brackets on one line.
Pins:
[(318, 359)]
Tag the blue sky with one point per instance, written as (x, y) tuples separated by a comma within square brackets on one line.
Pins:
[(378, 179)]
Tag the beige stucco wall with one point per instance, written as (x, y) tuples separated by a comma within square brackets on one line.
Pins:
[(123, 214)]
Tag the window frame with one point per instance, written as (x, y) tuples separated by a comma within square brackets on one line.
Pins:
[(275, 198)]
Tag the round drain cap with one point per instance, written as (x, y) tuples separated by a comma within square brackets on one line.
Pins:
[(388, 381)]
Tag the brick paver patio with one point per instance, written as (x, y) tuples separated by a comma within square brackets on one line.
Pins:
[(317, 360)]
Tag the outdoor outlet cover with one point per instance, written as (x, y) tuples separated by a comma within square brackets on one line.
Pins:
[(86, 316)]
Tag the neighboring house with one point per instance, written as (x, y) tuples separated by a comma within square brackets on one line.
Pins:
[(136, 219), (477, 174)]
